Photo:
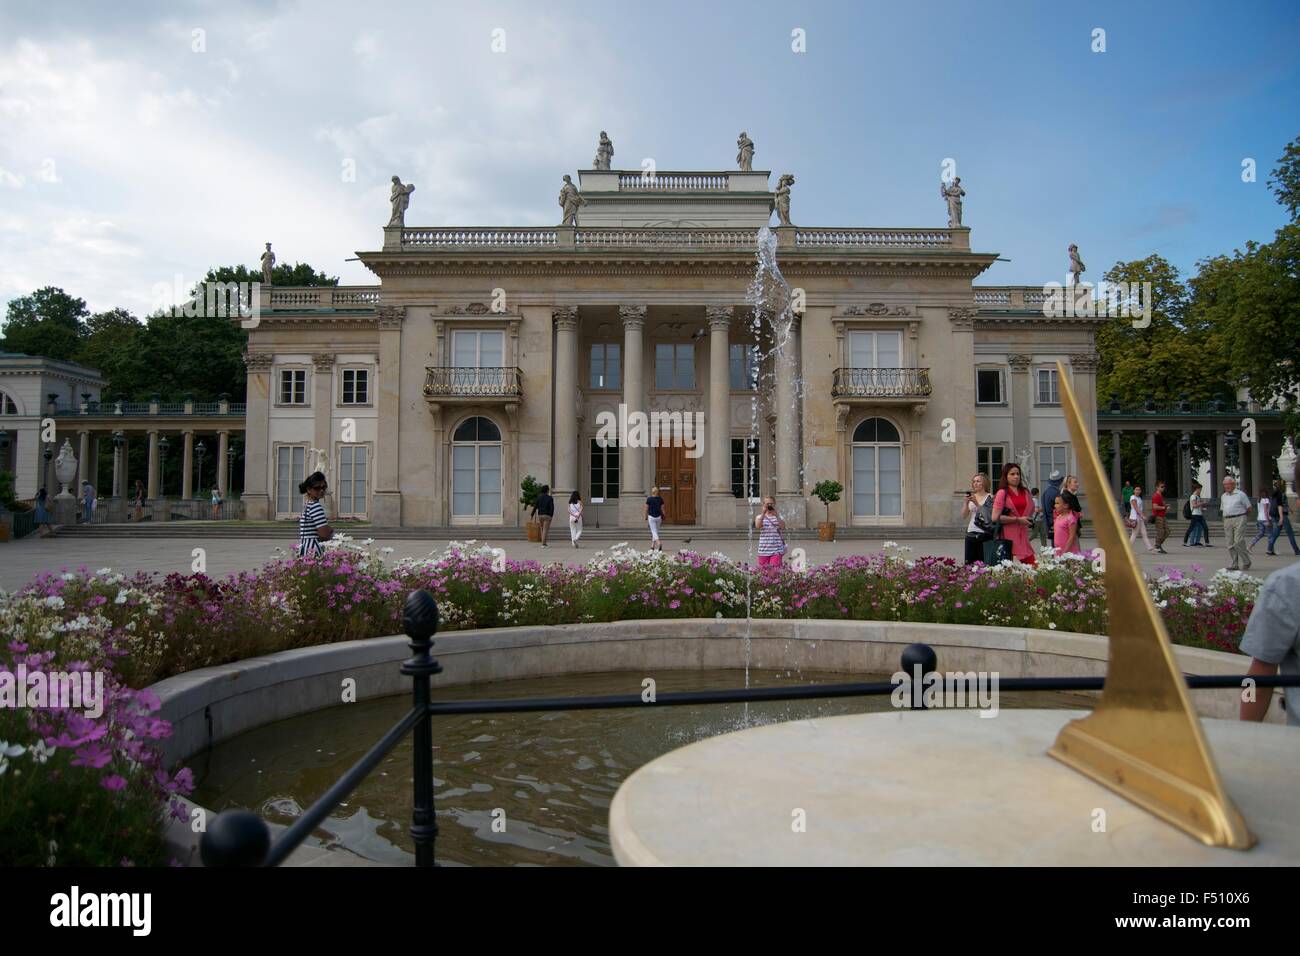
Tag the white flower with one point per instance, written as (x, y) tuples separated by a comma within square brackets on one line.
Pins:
[(41, 753), (121, 597), (69, 576), (8, 750), (385, 550), (54, 601), (1051, 627)]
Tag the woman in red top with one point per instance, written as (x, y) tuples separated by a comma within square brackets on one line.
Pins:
[(1013, 508)]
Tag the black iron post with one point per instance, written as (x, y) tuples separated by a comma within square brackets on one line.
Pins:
[(420, 621), (918, 660)]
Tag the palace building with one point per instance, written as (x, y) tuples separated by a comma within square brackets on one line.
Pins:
[(487, 354)]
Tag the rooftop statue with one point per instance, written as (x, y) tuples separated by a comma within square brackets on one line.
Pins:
[(570, 200), (400, 197), (783, 198), (1076, 264), (268, 263), (952, 195), (745, 158), (604, 152)]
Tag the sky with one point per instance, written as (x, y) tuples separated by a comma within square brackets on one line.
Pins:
[(142, 142)]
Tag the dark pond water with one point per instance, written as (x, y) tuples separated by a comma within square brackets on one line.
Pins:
[(548, 777)]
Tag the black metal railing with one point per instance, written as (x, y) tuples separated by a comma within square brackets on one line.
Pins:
[(881, 383), (241, 838), (465, 382)]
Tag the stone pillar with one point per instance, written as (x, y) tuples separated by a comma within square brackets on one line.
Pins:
[(1258, 477), (151, 481), (1116, 466), (223, 466), (83, 461), (632, 460), (386, 500), (564, 477), (1220, 465), (187, 470), (789, 487), (322, 406), (1149, 481), (720, 503), (1020, 405), (119, 454), (257, 504), (1083, 379), (94, 464)]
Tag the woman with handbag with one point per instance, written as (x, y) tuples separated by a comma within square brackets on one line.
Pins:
[(1013, 513), (977, 512)]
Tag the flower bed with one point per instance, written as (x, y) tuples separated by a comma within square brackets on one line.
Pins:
[(79, 790)]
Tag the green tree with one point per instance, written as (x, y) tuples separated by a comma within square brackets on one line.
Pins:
[(1285, 180), (48, 322)]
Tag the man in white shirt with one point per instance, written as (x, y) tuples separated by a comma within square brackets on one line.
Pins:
[(1234, 506), (1272, 638)]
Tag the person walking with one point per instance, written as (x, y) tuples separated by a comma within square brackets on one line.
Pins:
[(1281, 510), (44, 520), (215, 501), (1158, 512), (1013, 509), (1065, 528), (1234, 506), (138, 498), (1263, 517), (544, 512), (87, 502), (771, 537), (1137, 519), (1048, 501), (654, 517), (977, 512), (1272, 639), (575, 518), (1125, 495), (313, 526), (1196, 526)]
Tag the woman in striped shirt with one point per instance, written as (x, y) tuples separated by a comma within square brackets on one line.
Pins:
[(313, 527), (771, 542)]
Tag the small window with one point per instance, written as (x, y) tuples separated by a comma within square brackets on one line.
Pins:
[(604, 470), (875, 430), (293, 386), (674, 365), (356, 386), (1051, 458), (477, 429), (990, 462), (1048, 393), (7, 406), (605, 367), (744, 467), (988, 386), (744, 367)]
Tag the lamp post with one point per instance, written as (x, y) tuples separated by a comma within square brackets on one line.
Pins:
[(230, 470), (1230, 449), (200, 452), (119, 466), (1185, 455), (162, 466), (49, 456)]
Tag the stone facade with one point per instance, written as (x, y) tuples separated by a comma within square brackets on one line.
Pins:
[(488, 354)]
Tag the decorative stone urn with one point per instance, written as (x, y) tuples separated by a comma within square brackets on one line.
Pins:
[(65, 468), (1286, 466)]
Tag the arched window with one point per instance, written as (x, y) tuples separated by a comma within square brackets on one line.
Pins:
[(476, 489), (877, 470), (7, 405)]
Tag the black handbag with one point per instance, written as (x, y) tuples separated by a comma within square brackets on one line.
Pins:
[(984, 516)]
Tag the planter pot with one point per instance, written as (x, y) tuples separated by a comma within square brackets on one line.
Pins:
[(826, 531), (534, 531)]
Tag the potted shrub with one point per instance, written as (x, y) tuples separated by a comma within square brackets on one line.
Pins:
[(827, 492), (530, 489)]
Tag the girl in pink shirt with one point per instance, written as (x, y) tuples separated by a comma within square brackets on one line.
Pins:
[(1065, 528)]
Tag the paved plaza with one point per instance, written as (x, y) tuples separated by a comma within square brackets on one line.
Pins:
[(21, 560)]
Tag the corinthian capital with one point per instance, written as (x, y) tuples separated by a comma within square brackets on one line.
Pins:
[(390, 316), (719, 317), (565, 317), (1019, 363), (633, 316), (1085, 362), (258, 361)]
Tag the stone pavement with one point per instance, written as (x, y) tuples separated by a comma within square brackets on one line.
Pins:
[(21, 560)]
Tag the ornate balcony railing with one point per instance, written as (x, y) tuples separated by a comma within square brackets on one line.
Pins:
[(653, 237), (325, 297), (147, 409), (454, 382), (872, 238), (493, 237), (881, 383), (680, 182)]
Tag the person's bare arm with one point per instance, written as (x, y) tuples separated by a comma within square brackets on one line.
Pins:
[(1257, 709)]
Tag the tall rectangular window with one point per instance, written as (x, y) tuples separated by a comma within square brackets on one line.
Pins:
[(604, 470), (744, 367), (605, 371), (744, 467), (990, 462), (1051, 458), (355, 386), (1048, 393), (674, 365), (290, 465), (988, 386), (293, 386), (875, 349), (353, 480)]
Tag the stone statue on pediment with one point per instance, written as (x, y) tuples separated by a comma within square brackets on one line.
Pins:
[(604, 152), (952, 193), (400, 197), (570, 200), (1076, 264), (268, 263), (745, 158), (782, 200)]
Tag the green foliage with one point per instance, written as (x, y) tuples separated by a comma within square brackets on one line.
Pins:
[(7, 493), (48, 322), (530, 490), (1285, 179), (827, 492)]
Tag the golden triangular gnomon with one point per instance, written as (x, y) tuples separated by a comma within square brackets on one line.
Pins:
[(1143, 740)]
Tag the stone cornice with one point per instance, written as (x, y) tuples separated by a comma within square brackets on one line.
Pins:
[(1085, 361), (1019, 363), (258, 361), (323, 361), (390, 316)]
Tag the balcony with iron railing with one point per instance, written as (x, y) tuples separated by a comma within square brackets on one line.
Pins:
[(468, 384), (876, 385)]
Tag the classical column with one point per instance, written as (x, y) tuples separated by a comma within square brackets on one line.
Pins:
[(1020, 404), (83, 460), (565, 471), (1257, 477), (257, 418), (720, 505), (187, 470), (1220, 463), (386, 506), (151, 481), (1149, 483), (119, 467), (322, 403), (633, 486), (1116, 466), (93, 477), (1083, 378), (223, 476)]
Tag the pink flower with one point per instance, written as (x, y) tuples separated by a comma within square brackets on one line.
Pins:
[(113, 782), (94, 755)]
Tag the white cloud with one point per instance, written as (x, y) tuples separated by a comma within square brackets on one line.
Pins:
[(12, 180)]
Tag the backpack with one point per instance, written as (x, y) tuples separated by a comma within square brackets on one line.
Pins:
[(1187, 509)]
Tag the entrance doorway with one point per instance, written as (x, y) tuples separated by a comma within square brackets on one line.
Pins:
[(675, 476)]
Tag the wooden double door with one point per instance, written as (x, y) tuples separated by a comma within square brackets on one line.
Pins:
[(675, 478)]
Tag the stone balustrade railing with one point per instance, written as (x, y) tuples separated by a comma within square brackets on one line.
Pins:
[(1011, 296), (872, 238), (497, 238), (682, 182), (618, 237), (657, 237), (324, 297), (154, 409)]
